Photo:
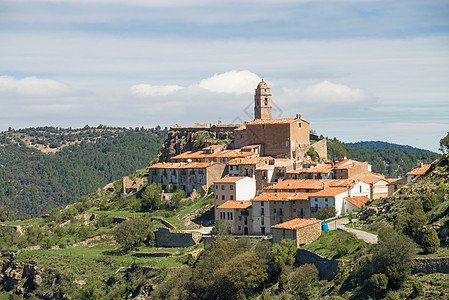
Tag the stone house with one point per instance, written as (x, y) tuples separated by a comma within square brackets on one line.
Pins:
[(394, 185), (269, 174), (352, 169), (131, 186), (238, 214), (378, 187), (186, 176), (302, 231), (323, 171), (216, 153), (247, 166), (234, 188)]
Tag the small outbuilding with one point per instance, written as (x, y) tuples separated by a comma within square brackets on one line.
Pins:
[(303, 231)]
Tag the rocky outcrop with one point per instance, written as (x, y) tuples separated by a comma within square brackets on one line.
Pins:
[(23, 277), (183, 139)]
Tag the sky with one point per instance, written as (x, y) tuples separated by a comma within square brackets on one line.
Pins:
[(355, 69)]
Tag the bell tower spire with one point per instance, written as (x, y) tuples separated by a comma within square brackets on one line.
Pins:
[(262, 102)]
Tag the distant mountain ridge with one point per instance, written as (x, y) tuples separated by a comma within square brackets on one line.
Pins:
[(374, 145)]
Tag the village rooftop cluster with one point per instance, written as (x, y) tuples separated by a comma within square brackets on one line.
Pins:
[(265, 181)]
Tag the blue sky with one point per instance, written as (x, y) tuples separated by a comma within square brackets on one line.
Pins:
[(357, 70)]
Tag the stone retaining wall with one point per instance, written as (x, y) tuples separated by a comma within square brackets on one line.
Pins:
[(327, 267), (167, 238), (429, 265)]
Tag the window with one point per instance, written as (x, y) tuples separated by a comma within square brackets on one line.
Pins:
[(231, 216), (222, 187), (239, 227), (262, 221), (294, 210), (240, 218), (274, 210), (231, 187), (262, 212), (216, 197), (222, 197), (263, 126), (266, 101), (325, 200), (231, 197), (261, 203), (228, 216), (299, 124), (360, 189)]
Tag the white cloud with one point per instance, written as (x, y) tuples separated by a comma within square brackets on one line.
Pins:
[(327, 91), (148, 90), (32, 87), (232, 82)]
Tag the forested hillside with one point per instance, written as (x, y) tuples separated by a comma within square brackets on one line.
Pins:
[(43, 168), (391, 161), (373, 145)]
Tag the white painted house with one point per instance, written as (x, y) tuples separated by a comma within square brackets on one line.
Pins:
[(234, 188)]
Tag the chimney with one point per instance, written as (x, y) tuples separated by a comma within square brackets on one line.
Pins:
[(324, 186), (421, 164)]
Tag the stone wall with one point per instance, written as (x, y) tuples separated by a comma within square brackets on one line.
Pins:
[(327, 267), (167, 238), (321, 148), (430, 265)]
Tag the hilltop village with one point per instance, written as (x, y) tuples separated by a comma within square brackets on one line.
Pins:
[(269, 176)]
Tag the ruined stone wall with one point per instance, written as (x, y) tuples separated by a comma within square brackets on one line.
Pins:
[(430, 265), (321, 148), (166, 238), (327, 267)]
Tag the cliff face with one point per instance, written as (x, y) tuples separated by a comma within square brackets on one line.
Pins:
[(179, 141)]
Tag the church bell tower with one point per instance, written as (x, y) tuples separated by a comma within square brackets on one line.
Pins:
[(262, 102)]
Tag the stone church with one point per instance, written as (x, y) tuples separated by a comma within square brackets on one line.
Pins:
[(281, 138)]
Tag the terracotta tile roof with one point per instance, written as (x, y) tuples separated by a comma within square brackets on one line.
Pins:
[(232, 204), (331, 192), (272, 121), (397, 181), (247, 160), (350, 165), (391, 180), (419, 171), (292, 184), (325, 168), (192, 165), (296, 224), (229, 179), (357, 200), (266, 167), (274, 197), (283, 162), (345, 161), (342, 182)]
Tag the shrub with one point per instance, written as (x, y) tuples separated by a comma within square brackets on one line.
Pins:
[(392, 255), (300, 281), (429, 202), (221, 227), (417, 287), (379, 282), (431, 242), (324, 213), (132, 233)]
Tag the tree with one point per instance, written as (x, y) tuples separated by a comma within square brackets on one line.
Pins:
[(221, 227), (392, 255), (444, 144), (132, 233), (324, 213), (431, 242), (301, 280)]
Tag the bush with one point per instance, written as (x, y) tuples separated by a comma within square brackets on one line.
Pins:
[(221, 227), (392, 255), (324, 213), (132, 233), (417, 287), (300, 281), (431, 242), (379, 282)]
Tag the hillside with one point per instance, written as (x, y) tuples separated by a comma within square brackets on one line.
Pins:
[(43, 168), (417, 206), (391, 162), (373, 145)]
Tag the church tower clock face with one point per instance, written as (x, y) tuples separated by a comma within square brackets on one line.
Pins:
[(262, 101)]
